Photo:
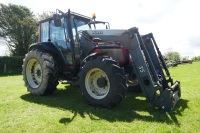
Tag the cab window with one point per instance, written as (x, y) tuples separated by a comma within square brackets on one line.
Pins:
[(57, 34), (44, 34)]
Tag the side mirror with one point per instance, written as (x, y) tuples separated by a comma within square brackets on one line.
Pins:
[(57, 20)]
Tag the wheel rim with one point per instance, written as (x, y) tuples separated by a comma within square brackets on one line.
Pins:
[(34, 73), (92, 86)]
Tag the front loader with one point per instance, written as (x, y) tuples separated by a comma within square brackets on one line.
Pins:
[(147, 64), (161, 92), (104, 62)]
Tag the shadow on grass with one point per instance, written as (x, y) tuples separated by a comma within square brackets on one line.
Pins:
[(10, 74), (132, 108)]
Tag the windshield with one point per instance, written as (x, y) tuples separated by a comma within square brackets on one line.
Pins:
[(99, 25), (79, 24)]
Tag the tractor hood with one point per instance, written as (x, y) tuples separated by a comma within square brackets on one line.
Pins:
[(105, 32)]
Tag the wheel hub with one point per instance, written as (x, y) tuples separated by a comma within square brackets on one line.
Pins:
[(38, 73), (101, 82), (34, 73), (97, 83)]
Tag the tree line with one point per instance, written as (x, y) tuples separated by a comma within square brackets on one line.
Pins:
[(175, 56), (196, 58), (18, 27)]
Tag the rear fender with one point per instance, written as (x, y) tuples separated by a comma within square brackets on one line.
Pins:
[(50, 48)]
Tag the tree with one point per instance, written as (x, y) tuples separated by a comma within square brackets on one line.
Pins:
[(172, 55), (44, 15), (17, 27)]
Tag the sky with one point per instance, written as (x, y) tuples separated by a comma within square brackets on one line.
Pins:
[(175, 24)]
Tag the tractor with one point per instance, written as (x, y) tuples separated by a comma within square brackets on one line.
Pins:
[(103, 62)]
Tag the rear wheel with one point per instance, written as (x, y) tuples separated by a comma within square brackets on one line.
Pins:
[(39, 72), (102, 82)]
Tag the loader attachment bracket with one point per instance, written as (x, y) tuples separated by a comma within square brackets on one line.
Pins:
[(170, 97)]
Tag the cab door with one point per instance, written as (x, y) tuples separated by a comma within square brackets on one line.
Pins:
[(58, 36)]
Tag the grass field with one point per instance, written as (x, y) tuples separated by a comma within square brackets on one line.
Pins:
[(66, 111)]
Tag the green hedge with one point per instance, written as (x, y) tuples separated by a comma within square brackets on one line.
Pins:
[(13, 64), (196, 58)]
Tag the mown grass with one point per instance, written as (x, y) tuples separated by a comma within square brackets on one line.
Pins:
[(66, 111)]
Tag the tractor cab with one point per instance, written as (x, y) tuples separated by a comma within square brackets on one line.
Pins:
[(64, 30)]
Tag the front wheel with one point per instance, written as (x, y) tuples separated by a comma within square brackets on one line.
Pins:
[(102, 82)]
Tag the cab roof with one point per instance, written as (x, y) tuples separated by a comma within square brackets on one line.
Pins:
[(76, 15)]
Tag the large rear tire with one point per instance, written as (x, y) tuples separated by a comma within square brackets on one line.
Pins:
[(39, 72), (102, 82)]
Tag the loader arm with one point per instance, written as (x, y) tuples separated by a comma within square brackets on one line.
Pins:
[(146, 58)]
